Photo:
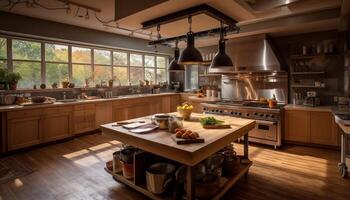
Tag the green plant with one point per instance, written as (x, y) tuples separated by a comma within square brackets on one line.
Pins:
[(13, 77), (210, 121), (3, 74)]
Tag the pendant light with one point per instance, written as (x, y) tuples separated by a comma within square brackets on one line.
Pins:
[(174, 65), (221, 59), (190, 55)]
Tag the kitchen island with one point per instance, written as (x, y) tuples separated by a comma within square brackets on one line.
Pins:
[(159, 142)]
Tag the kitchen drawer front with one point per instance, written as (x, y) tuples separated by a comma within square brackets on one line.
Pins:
[(56, 110), (24, 113), (85, 107)]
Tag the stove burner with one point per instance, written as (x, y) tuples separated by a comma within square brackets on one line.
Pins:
[(254, 104)]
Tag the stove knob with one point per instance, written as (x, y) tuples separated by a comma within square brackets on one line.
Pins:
[(272, 116), (261, 115), (204, 108), (221, 111), (266, 115), (239, 114), (247, 115), (255, 113), (232, 113)]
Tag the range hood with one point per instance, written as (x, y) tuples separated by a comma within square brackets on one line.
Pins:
[(251, 54)]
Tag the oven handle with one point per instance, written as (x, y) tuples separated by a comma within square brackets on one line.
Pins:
[(263, 122)]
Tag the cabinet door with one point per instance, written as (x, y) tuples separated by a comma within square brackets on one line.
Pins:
[(103, 114), (23, 132), (297, 126), (84, 121), (321, 128), (174, 102), (56, 126), (120, 113)]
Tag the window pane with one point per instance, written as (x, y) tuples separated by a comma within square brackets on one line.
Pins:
[(150, 74), (149, 61), (102, 73), (81, 55), (102, 57), (3, 48), (161, 75), (136, 60), (30, 72), (56, 53), (121, 75), (3, 64), (26, 50), (80, 73), (120, 58), (56, 73), (161, 62), (136, 74)]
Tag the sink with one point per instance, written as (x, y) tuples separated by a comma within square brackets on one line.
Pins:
[(67, 100), (343, 119)]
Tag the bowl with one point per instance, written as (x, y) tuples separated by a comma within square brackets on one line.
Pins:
[(38, 99), (185, 113), (161, 120)]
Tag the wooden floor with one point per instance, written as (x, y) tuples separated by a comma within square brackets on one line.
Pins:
[(74, 170)]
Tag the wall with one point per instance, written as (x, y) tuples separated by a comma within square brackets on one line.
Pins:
[(14, 23)]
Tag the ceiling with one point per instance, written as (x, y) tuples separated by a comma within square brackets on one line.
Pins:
[(276, 17)]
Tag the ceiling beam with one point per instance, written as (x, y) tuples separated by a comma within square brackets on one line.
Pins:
[(182, 14)]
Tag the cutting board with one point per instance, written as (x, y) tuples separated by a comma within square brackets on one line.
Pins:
[(217, 126), (187, 141)]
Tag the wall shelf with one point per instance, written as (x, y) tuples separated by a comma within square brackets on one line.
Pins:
[(297, 57), (307, 73), (306, 86)]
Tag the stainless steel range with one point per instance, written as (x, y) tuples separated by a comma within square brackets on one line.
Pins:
[(268, 121)]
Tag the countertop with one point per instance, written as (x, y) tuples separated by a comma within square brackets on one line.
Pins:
[(307, 108), (124, 97), (203, 99)]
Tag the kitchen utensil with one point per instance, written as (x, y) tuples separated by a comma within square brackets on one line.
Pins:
[(161, 120), (231, 164), (159, 177), (187, 141), (38, 99), (117, 165), (128, 170), (144, 129), (127, 154), (8, 99)]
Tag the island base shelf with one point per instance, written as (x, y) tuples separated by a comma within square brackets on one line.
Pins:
[(244, 168)]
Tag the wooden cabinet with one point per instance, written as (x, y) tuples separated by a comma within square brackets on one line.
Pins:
[(103, 114), (321, 128), (314, 127), (84, 118), (23, 132), (56, 126), (297, 126)]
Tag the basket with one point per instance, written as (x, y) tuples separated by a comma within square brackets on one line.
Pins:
[(186, 114)]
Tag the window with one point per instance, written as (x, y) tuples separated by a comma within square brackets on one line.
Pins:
[(56, 64), (27, 62), (3, 53), (120, 68), (162, 75), (48, 62), (82, 66), (136, 60), (191, 77)]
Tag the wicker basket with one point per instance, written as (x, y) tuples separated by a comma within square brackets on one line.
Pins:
[(186, 114)]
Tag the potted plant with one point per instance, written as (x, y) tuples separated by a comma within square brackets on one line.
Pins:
[(3, 73), (12, 79)]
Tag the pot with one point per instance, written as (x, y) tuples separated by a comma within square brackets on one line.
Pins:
[(161, 120), (159, 177), (13, 86), (127, 154), (128, 170)]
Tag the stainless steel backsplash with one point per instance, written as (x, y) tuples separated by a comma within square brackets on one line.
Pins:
[(254, 86)]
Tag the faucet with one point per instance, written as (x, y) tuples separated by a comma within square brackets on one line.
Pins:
[(64, 96)]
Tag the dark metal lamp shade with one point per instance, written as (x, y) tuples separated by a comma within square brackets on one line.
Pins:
[(221, 59), (190, 55), (174, 65)]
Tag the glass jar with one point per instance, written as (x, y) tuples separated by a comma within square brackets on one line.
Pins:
[(174, 123)]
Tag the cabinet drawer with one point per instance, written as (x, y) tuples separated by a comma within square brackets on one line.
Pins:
[(24, 113), (84, 107), (56, 110)]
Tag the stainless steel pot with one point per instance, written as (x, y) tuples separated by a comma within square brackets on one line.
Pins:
[(159, 176), (161, 120)]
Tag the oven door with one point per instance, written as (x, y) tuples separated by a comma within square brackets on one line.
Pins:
[(266, 130)]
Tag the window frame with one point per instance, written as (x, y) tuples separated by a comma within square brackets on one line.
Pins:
[(43, 63)]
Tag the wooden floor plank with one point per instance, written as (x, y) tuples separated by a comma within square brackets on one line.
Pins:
[(74, 170)]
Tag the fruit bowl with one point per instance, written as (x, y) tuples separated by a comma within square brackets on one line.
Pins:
[(38, 99), (185, 110)]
